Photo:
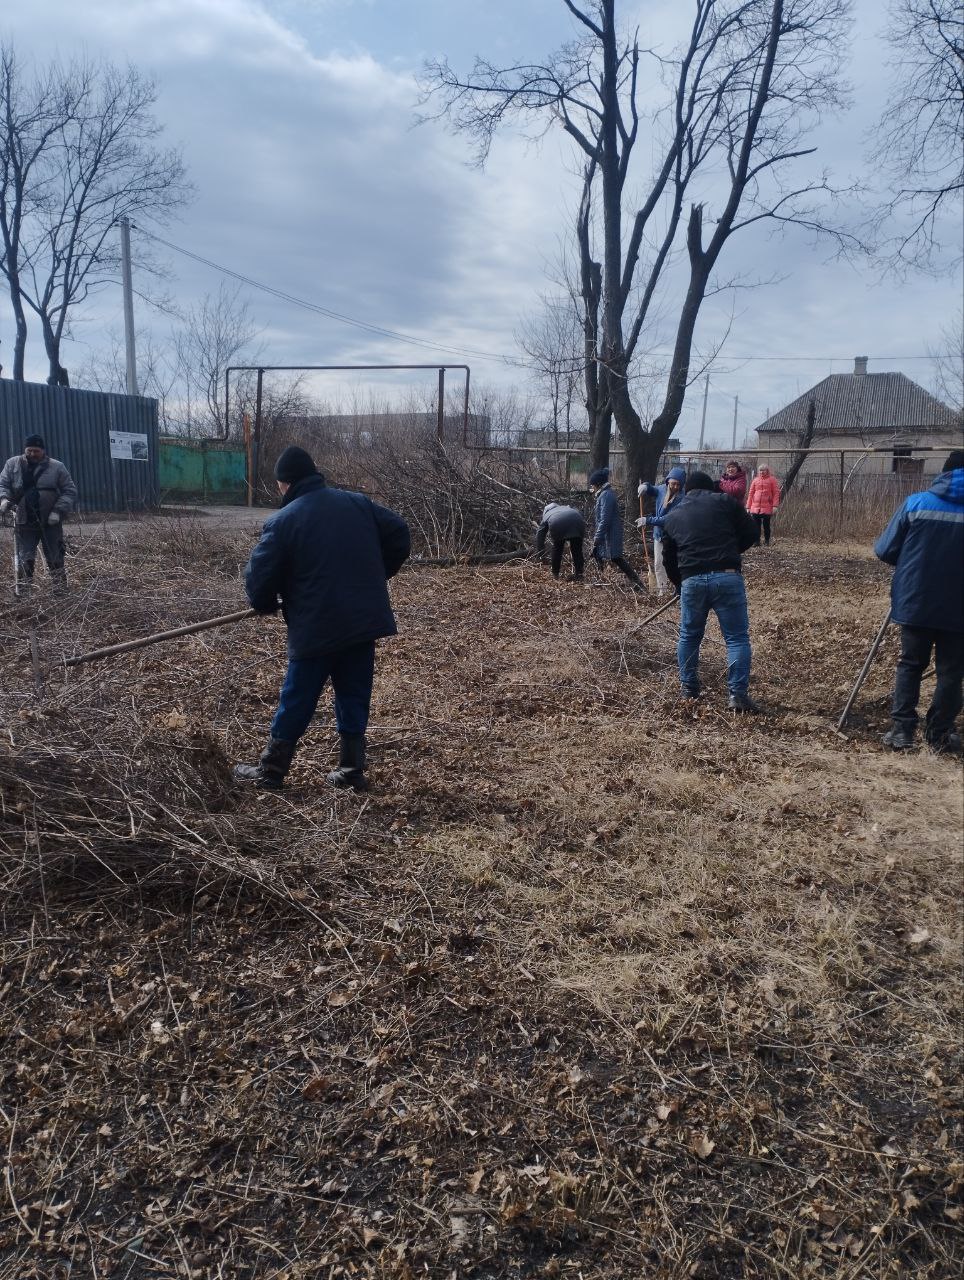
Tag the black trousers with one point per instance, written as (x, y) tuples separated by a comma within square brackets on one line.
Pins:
[(762, 525), (575, 550), (623, 565), (51, 538), (916, 644)]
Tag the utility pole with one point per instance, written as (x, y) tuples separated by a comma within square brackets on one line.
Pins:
[(125, 230), (706, 393), (736, 410)]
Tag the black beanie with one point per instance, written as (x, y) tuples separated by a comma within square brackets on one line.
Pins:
[(34, 442), (294, 464), (955, 460), (698, 480), (599, 478)]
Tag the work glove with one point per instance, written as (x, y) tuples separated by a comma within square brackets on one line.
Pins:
[(54, 517), (640, 523), (4, 506), (641, 489)]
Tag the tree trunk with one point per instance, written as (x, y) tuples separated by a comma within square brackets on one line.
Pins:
[(803, 444), (20, 341), (20, 317), (57, 375)]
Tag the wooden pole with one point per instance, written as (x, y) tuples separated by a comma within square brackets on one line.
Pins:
[(878, 639), (662, 609), (159, 637)]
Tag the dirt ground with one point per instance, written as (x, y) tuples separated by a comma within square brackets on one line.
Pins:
[(590, 983)]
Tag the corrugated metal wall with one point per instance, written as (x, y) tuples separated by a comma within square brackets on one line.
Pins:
[(76, 427)]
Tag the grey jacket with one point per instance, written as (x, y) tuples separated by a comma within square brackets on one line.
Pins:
[(55, 490), (560, 523)]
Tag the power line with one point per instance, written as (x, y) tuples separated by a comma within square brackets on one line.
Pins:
[(317, 307), (382, 332)]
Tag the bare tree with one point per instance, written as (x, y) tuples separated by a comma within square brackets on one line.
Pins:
[(218, 332), (89, 133), (949, 366), (552, 340), (920, 141), (751, 77), (31, 117), (106, 370)]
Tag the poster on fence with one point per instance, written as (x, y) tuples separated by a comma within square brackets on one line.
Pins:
[(128, 445)]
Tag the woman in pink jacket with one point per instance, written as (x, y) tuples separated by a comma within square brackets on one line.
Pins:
[(733, 481), (763, 500)]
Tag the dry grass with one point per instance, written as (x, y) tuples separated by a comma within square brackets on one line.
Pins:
[(588, 985)]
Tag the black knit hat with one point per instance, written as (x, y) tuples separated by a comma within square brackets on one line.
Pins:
[(294, 464), (698, 480), (955, 460), (600, 477), (35, 442)]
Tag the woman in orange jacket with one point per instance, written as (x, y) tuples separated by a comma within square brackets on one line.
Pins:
[(763, 500)]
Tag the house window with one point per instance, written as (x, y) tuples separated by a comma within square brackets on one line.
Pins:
[(904, 465)]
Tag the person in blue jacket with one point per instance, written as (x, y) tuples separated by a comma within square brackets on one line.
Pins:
[(667, 495), (607, 541), (925, 543), (324, 559)]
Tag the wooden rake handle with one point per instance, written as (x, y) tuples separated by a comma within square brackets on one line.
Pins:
[(159, 636)]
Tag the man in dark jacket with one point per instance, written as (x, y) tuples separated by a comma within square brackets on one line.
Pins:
[(703, 539), (925, 543), (42, 493), (325, 558), (562, 524)]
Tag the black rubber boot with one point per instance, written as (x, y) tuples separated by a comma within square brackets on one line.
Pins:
[(351, 763), (899, 738), (270, 770)]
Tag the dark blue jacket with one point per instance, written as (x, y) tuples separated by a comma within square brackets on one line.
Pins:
[(925, 543), (327, 555), (607, 541)]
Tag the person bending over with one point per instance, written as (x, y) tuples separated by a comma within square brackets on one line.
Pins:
[(562, 525)]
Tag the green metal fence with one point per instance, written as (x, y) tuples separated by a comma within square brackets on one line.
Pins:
[(196, 471)]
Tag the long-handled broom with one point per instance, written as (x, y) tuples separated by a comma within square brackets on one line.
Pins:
[(650, 575)]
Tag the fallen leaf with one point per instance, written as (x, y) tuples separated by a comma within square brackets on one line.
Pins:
[(474, 1181), (315, 1087), (702, 1146)]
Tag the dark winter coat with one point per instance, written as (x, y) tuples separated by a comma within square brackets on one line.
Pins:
[(664, 505), (706, 533), (607, 541), (37, 491), (560, 523), (326, 556), (925, 543)]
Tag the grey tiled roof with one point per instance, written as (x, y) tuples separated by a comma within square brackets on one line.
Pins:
[(870, 402)]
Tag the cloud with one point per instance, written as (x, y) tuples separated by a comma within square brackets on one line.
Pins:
[(296, 121)]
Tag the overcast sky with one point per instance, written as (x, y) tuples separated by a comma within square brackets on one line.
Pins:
[(296, 122)]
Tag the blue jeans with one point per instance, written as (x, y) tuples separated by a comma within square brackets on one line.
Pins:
[(725, 594), (351, 672)]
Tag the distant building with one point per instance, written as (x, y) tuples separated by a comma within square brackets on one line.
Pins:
[(861, 410)]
